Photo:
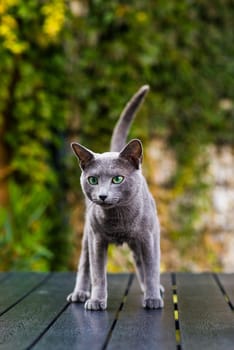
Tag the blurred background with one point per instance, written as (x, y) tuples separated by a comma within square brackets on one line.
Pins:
[(67, 68)]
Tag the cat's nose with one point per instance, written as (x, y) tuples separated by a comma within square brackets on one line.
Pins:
[(102, 197)]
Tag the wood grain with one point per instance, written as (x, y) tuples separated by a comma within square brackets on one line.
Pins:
[(206, 321), (138, 328), (78, 328)]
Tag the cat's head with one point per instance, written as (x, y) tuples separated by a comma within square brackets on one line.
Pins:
[(113, 178)]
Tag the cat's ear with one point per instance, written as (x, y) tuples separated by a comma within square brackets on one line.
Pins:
[(133, 152), (83, 154)]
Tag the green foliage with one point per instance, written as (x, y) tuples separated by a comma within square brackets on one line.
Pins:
[(70, 67), (33, 111), (122, 46), (23, 242)]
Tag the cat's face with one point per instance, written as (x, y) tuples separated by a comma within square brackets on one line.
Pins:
[(110, 179)]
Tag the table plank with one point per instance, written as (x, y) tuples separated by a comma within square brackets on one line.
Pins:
[(138, 328), (21, 325), (81, 329), (227, 281), (206, 321), (4, 275), (16, 285), (34, 314)]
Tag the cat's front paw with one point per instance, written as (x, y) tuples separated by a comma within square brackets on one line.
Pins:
[(95, 304), (78, 297), (153, 303)]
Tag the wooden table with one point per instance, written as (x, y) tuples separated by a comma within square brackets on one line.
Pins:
[(198, 314)]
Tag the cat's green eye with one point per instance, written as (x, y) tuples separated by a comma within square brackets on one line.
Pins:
[(117, 179), (93, 180)]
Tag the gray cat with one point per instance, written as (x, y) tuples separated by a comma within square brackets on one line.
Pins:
[(120, 209)]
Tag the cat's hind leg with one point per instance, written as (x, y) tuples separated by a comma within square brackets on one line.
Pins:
[(151, 262), (137, 255), (81, 291)]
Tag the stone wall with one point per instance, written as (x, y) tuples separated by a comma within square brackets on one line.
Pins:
[(221, 172), (218, 220)]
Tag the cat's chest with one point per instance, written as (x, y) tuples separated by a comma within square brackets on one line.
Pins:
[(118, 227)]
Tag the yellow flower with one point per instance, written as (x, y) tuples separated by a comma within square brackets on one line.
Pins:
[(54, 13), (8, 29), (5, 4), (141, 16)]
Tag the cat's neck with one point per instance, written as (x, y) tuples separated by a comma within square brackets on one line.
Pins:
[(120, 211)]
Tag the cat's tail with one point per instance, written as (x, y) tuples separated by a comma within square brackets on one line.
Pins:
[(120, 133)]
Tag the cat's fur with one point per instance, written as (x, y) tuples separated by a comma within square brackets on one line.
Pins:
[(117, 213)]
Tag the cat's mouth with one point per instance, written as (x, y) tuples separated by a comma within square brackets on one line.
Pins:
[(105, 204)]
